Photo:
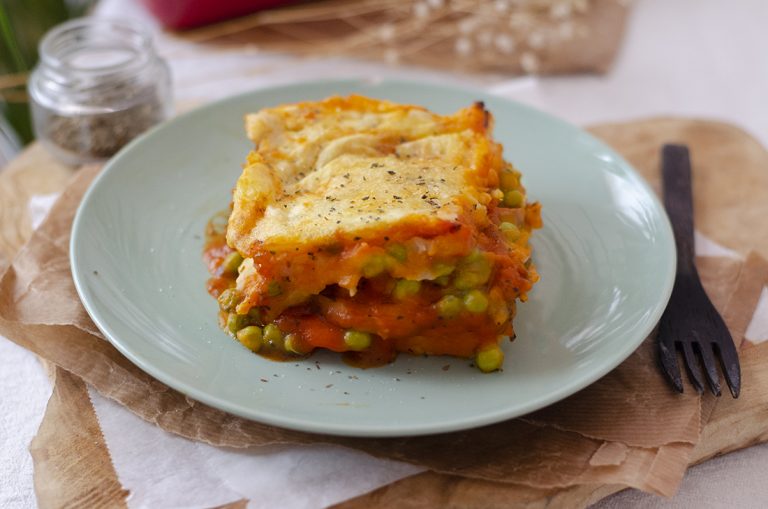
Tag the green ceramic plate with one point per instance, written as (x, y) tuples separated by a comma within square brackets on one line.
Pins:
[(605, 254)]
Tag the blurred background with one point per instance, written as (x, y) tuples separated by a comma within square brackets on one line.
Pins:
[(22, 25), (584, 60)]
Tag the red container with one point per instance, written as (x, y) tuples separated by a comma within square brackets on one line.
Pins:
[(181, 14)]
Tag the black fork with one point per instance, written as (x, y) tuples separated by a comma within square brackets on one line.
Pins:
[(691, 324)]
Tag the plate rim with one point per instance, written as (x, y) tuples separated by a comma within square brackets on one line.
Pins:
[(340, 429)]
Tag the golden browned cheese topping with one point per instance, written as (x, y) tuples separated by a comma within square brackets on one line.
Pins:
[(356, 167)]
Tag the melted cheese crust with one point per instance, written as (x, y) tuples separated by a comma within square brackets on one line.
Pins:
[(355, 168)]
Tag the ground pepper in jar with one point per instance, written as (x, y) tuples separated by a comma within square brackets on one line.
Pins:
[(99, 84)]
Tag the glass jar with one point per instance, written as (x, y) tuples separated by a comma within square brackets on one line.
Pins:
[(98, 84)]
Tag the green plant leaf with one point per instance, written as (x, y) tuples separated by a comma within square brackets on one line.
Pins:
[(22, 24)]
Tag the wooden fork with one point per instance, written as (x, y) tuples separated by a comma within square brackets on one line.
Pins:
[(691, 324)]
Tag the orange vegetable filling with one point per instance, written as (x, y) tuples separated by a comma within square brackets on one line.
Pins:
[(316, 313)]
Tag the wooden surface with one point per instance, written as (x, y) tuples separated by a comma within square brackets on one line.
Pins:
[(34, 171)]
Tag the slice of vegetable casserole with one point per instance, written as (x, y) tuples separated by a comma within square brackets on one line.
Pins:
[(369, 227)]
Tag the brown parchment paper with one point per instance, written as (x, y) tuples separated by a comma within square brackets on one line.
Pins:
[(71, 425), (560, 448)]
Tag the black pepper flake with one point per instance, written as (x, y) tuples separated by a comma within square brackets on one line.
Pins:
[(329, 386), (366, 198), (392, 172), (95, 272), (357, 238), (396, 197), (264, 380)]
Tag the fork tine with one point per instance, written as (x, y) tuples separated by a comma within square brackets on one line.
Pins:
[(668, 359), (710, 366), (692, 365), (730, 363)]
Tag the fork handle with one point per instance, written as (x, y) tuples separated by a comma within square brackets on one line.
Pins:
[(678, 200)]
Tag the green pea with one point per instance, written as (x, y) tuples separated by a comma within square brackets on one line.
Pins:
[(508, 180), (273, 335), (514, 199), (236, 322), (398, 252), (510, 231), (449, 306), (231, 263), (442, 269), (474, 271), (374, 266), (406, 288), (357, 340), (274, 289), (229, 299), (476, 301), (250, 337), (489, 358), (293, 344)]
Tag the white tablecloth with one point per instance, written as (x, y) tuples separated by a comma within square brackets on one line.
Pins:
[(704, 58)]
